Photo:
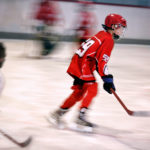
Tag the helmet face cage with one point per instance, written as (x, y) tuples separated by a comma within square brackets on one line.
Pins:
[(117, 26), (119, 32)]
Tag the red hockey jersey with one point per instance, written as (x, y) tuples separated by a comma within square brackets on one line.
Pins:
[(92, 55)]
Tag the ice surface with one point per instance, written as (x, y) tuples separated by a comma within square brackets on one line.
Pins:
[(35, 87)]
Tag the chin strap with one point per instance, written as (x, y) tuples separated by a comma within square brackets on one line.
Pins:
[(116, 37)]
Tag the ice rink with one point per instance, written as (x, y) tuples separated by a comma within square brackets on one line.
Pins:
[(34, 87)]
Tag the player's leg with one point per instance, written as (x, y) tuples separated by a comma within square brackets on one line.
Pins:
[(50, 40), (75, 96), (56, 116), (91, 92)]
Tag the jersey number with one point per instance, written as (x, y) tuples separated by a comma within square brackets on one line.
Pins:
[(84, 47)]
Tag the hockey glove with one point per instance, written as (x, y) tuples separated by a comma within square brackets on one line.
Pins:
[(108, 83)]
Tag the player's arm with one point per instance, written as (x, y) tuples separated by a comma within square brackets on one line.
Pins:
[(102, 60)]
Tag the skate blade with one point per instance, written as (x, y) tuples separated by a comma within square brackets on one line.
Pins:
[(80, 128), (54, 123)]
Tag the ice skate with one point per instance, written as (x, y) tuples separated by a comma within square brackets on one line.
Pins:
[(55, 118), (82, 124)]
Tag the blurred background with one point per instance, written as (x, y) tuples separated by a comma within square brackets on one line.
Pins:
[(19, 20), (51, 31)]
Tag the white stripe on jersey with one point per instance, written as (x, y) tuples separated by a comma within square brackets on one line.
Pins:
[(98, 40)]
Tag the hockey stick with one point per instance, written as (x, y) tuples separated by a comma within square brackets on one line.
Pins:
[(130, 112), (21, 144)]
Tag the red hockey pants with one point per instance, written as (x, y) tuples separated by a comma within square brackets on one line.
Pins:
[(84, 93)]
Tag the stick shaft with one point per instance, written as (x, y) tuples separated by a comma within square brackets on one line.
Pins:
[(121, 102), (9, 137), (24, 144)]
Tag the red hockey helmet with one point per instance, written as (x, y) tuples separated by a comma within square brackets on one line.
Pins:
[(115, 19)]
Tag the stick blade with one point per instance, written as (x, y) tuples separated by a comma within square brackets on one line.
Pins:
[(26, 143), (141, 113)]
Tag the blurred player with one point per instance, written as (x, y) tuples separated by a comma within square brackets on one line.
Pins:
[(85, 22), (93, 55), (49, 15), (2, 59)]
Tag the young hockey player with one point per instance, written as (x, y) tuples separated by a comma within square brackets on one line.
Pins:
[(49, 16), (92, 55)]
